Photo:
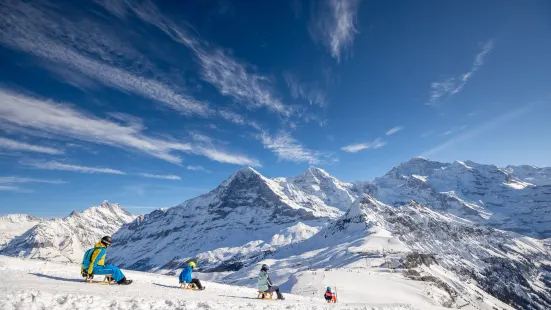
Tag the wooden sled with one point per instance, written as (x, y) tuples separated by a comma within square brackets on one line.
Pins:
[(265, 295), (107, 279), (189, 286)]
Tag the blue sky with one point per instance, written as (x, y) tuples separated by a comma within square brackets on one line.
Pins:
[(148, 104)]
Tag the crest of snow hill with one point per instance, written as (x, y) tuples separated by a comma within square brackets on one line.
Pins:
[(476, 231)]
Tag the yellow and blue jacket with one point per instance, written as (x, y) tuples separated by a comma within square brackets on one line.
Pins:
[(94, 257)]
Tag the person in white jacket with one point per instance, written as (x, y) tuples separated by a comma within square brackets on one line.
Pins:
[(265, 284)]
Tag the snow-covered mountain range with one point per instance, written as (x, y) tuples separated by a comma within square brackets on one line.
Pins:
[(247, 217), (513, 198), (478, 233), (14, 225), (66, 239)]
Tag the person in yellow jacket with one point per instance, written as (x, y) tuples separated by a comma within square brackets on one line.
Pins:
[(94, 262)]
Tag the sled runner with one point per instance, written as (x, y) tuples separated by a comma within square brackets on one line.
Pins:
[(264, 295), (189, 286), (107, 280)]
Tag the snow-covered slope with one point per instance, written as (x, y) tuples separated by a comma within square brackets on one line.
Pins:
[(467, 263), (486, 194), (246, 217), (66, 239), (530, 174), (31, 284), (13, 225)]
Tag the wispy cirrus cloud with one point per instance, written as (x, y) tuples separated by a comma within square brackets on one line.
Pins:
[(467, 135), (160, 176), (54, 165), (6, 143), (40, 29), (227, 74), (197, 168), (232, 78), (11, 183), (289, 149), (10, 188), (231, 116), (12, 179), (354, 148), (59, 166), (334, 24), (450, 86), (306, 91), (394, 130), (37, 116)]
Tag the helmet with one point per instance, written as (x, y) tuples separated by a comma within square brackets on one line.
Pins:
[(106, 240), (329, 288), (191, 264), (265, 267)]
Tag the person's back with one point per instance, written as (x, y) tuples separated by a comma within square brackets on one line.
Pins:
[(263, 283), (93, 262), (186, 276)]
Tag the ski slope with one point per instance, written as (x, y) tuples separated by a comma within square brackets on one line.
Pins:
[(33, 284)]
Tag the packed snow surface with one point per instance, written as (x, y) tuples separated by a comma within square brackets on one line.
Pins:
[(33, 284)]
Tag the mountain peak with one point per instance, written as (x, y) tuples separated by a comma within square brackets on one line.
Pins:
[(248, 171), (317, 170)]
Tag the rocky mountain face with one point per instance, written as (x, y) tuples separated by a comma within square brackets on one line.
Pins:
[(316, 186), (501, 198), (13, 225), (509, 266), (473, 265), (245, 218), (66, 239)]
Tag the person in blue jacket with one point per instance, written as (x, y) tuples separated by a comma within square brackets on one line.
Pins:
[(185, 276), (265, 284), (94, 262)]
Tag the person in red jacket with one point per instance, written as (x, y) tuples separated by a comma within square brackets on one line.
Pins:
[(330, 296)]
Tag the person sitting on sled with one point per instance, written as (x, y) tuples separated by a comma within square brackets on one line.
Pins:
[(330, 296), (94, 263), (185, 276), (265, 284)]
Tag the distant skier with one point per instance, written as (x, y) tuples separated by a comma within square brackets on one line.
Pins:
[(93, 262), (265, 284), (330, 296), (185, 276)]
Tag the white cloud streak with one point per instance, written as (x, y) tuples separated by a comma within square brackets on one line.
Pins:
[(10, 188), (334, 24), (453, 85), (197, 168), (394, 130), (6, 143), (54, 165), (502, 119), (289, 149), (37, 29), (230, 76), (310, 93), (354, 148), (10, 180), (37, 116), (160, 176)]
